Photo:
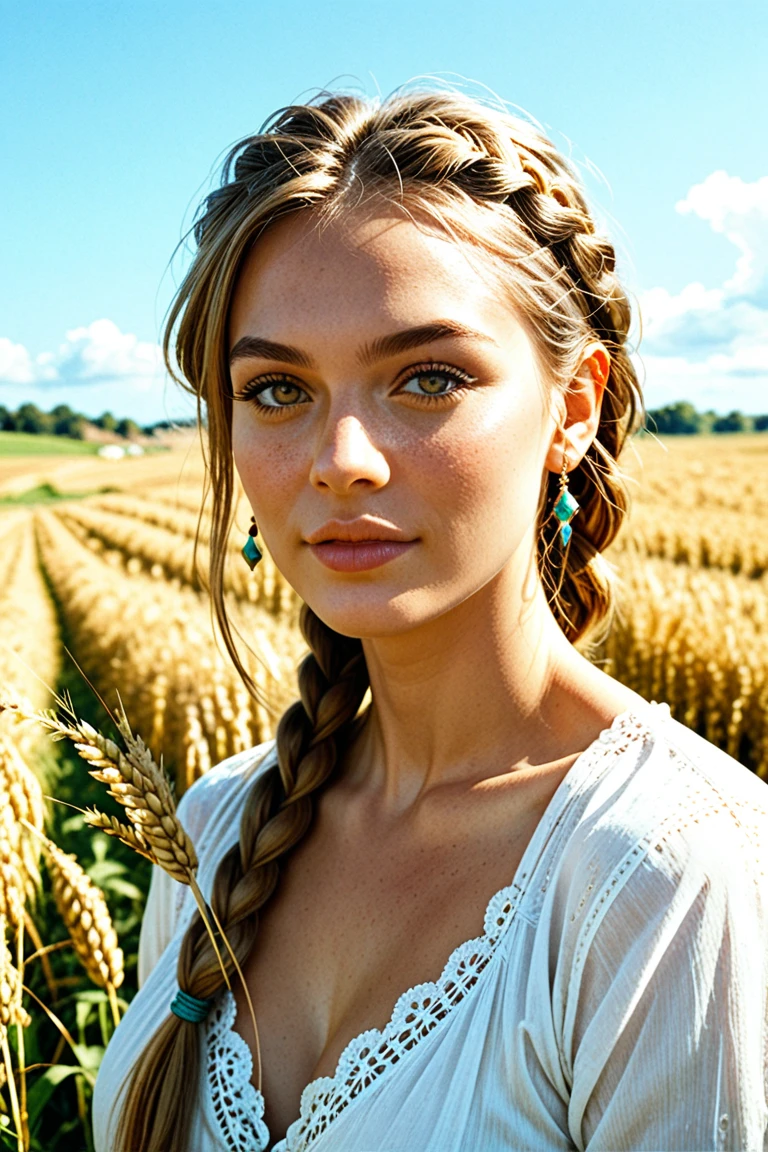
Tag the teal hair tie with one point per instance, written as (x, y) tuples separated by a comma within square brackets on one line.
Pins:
[(189, 1008)]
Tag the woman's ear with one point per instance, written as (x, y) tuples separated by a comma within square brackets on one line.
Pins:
[(580, 408)]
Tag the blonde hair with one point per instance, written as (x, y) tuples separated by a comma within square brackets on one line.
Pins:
[(493, 181)]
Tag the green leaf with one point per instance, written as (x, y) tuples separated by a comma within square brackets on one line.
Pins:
[(103, 870), (123, 888), (42, 1090), (7, 1140), (92, 996), (72, 824), (83, 1012), (90, 1057)]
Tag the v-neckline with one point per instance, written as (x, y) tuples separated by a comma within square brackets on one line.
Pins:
[(371, 1053)]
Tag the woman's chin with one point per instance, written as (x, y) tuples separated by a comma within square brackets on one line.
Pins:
[(375, 618)]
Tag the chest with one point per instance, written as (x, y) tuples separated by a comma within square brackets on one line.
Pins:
[(361, 915)]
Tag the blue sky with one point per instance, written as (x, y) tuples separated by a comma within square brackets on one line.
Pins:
[(114, 114)]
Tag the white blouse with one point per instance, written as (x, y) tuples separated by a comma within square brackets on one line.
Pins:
[(617, 999)]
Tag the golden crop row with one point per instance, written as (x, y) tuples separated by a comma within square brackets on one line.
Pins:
[(733, 541), (702, 475), (168, 514), (29, 640), (169, 554), (152, 641), (698, 639)]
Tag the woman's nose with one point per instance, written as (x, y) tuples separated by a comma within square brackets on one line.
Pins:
[(347, 456)]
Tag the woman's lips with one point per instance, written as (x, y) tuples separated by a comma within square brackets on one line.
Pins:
[(360, 555)]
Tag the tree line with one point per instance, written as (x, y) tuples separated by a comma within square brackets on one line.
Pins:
[(64, 421), (683, 419), (679, 419)]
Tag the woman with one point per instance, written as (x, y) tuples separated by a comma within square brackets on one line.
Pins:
[(410, 340)]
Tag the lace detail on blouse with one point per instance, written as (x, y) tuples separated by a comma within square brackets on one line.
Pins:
[(237, 1105), (373, 1053), (365, 1058), (416, 1013)]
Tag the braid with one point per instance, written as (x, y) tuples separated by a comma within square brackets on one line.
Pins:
[(333, 679), (581, 591)]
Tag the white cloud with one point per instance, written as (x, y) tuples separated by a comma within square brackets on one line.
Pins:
[(740, 212), (16, 366), (101, 352), (710, 345), (95, 368)]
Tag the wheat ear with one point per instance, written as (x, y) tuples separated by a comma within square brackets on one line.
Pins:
[(12, 870), (84, 911), (141, 786)]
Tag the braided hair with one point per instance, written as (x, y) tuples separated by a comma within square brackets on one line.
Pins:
[(500, 186)]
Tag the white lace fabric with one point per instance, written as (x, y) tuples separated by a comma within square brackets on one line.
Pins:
[(364, 1059), (238, 1106), (617, 998)]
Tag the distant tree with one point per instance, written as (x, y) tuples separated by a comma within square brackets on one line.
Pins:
[(169, 425), (29, 418), (680, 419), (6, 419), (186, 422), (733, 422), (760, 423), (65, 422), (107, 422), (127, 428), (61, 411)]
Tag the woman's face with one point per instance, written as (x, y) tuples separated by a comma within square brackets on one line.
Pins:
[(383, 387)]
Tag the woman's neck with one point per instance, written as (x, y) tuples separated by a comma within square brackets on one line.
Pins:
[(466, 696)]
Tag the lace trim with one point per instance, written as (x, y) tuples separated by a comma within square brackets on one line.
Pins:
[(237, 1105), (416, 1013)]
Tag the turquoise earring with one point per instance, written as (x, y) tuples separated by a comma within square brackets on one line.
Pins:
[(566, 505), (251, 551)]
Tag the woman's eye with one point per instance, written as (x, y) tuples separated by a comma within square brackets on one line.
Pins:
[(434, 381), (274, 393)]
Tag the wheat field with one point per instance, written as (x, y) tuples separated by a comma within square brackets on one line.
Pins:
[(100, 592)]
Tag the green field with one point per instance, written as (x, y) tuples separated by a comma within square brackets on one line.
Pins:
[(25, 444)]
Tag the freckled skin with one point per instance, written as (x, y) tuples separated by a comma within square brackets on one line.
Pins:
[(481, 705)]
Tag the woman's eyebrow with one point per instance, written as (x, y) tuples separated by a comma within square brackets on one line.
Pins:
[(249, 347), (408, 338)]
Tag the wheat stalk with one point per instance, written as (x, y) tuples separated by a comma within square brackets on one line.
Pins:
[(24, 789), (124, 832), (11, 1012), (140, 785), (11, 1008)]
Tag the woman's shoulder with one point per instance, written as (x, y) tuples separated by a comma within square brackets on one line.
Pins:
[(655, 769), (689, 777), (650, 954), (663, 799)]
